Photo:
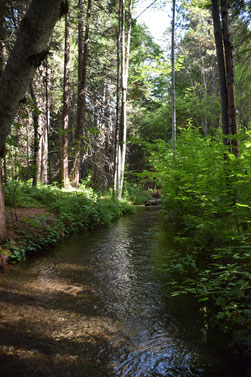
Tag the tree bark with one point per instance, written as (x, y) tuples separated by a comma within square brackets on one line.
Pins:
[(66, 106), (221, 68), (3, 230), (30, 49), (45, 128), (118, 86), (173, 79), (230, 74), (82, 91), (35, 135), (125, 55)]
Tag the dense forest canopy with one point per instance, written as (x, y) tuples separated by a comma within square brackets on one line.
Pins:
[(73, 107)]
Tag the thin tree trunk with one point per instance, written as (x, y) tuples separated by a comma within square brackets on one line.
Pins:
[(205, 126), (35, 132), (230, 73), (212, 76), (82, 91), (125, 54), (173, 79), (3, 229), (116, 134), (66, 106), (221, 68), (45, 129)]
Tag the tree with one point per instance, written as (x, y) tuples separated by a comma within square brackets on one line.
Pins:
[(66, 105), (173, 80), (226, 77), (126, 28), (82, 91), (229, 72), (30, 49)]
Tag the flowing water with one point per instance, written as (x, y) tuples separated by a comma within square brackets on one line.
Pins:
[(93, 307)]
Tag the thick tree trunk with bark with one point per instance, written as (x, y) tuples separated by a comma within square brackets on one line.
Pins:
[(221, 68), (30, 49), (82, 91), (66, 106)]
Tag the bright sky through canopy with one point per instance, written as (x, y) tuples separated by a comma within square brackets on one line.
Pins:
[(156, 19)]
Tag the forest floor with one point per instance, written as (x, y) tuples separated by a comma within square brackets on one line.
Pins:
[(19, 218)]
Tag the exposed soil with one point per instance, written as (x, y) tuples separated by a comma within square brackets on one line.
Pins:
[(18, 218)]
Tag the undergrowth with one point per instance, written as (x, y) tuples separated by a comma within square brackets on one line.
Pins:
[(66, 212), (206, 192)]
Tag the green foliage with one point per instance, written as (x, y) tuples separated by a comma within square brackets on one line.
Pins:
[(206, 190), (71, 211), (136, 193)]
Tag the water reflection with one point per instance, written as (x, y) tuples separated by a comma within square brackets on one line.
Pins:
[(92, 308)]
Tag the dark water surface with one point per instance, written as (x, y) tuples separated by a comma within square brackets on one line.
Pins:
[(92, 307)]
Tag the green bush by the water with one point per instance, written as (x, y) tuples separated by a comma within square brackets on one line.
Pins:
[(66, 212), (206, 192), (136, 193)]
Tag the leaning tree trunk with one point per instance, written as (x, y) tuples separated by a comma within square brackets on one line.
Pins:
[(173, 79), (30, 49), (66, 106), (221, 68), (82, 91)]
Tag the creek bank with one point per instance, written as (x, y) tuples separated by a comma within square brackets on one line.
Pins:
[(93, 306), (30, 230)]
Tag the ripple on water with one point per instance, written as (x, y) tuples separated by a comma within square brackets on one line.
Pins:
[(161, 356)]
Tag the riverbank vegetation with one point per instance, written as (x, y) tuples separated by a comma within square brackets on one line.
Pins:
[(37, 217), (206, 192)]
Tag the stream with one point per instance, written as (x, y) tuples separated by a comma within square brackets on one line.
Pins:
[(93, 307)]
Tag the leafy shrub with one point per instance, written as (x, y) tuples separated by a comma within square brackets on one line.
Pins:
[(136, 193), (75, 210), (207, 191)]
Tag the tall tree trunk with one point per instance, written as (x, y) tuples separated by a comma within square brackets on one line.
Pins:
[(43, 102), (35, 134), (173, 78), (212, 76), (204, 77), (230, 74), (66, 106), (221, 68), (118, 87), (125, 54), (82, 91), (3, 230), (29, 50)]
